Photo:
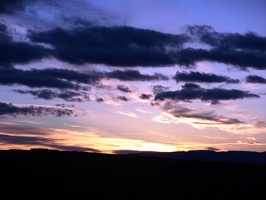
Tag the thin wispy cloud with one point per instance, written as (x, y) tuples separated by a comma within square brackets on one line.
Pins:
[(12, 110), (128, 113), (203, 117)]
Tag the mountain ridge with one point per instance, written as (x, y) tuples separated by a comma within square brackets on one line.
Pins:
[(72, 175), (210, 155)]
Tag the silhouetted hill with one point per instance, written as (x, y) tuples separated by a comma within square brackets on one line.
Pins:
[(48, 174), (209, 155)]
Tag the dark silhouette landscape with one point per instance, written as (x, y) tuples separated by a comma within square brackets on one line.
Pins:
[(51, 174)]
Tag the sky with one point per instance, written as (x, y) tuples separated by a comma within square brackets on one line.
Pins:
[(133, 75)]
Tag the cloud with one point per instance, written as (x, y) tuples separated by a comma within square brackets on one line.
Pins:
[(50, 94), (62, 105), (199, 117), (259, 123), (50, 78), (161, 119), (243, 51), (43, 14), (77, 21), (145, 96), (64, 78), (240, 59), (255, 79), (115, 46), (99, 100), (40, 141), (159, 88), (128, 113), (212, 149), (202, 78), (133, 75), (247, 140), (10, 109), (4, 36), (192, 91), (25, 140), (225, 41), (17, 128), (13, 52), (12, 6), (123, 88), (91, 77), (128, 46), (122, 98), (21, 134), (73, 148)]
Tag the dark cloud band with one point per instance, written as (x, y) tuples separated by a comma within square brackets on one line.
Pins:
[(255, 79), (128, 46), (202, 78), (69, 79), (13, 52), (50, 94), (116, 46), (193, 91), (240, 59), (33, 78), (10, 109), (133, 75), (12, 6), (225, 41)]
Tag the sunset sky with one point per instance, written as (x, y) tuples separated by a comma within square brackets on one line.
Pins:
[(146, 75)]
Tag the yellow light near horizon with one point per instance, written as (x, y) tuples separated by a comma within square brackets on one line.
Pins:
[(106, 144), (146, 146), (109, 145)]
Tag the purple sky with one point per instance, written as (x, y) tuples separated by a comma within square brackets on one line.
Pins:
[(146, 75)]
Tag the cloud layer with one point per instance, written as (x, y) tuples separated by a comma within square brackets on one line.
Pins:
[(200, 117), (202, 78), (226, 41), (192, 91), (13, 52), (255, 79), (128, 46), (10, 109), (116, 46), (50, 94)]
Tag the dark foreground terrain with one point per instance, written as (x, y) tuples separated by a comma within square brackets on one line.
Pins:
[(47, 174)]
